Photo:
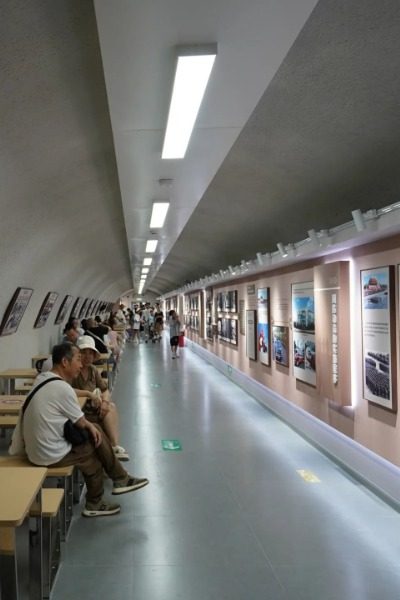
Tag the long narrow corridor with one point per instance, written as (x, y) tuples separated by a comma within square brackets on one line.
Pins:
[(228, 516)]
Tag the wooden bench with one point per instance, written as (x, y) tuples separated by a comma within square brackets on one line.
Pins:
[(8, 421), (18, 490), (50, 511), (64, 479)]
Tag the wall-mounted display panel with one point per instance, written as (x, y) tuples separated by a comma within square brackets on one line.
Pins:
[(209, 315), (332, 331), (378, 334), (45, 309), (227, 301), (228, 330), (263, 326), (303, 320), (83, 309), (15, 310), (251, 334), (76, 307), (62, 311), (280, 343)]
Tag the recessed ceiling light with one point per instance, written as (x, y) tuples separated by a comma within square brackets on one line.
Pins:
[(158, 214), (147, 262), (151, 246), (145, 270), (193, 70)]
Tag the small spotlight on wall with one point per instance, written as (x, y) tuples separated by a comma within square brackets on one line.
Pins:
[(260, 259), (358, 219), (281, 249), (221, 272), (231, 270)]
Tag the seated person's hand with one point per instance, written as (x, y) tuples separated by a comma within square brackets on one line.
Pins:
[(104, 409)]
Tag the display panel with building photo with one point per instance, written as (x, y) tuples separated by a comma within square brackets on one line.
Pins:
[(263, 326), (303, 320), (378, 332)]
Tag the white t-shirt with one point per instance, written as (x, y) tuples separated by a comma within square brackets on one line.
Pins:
[(43, 421)]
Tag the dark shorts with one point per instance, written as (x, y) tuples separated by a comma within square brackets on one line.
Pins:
[(174, 341)]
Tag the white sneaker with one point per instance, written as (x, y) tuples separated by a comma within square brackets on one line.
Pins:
[(121, 453)]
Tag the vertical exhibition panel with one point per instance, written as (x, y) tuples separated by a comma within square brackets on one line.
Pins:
[(303, 319), (378, 334), (251, 342), (332, 331), (263, 326)]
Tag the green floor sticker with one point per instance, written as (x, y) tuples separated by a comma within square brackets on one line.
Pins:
[(156, 385), (171, 445)]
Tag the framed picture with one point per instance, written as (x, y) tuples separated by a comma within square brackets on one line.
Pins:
[(84, 307), (62, 311), (303, 318), (45, 309), (89, 311), (378, 336), (75, 308), (280, 344), (15, 310), (263, 326)]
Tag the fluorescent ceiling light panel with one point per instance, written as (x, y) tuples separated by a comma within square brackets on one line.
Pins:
[(158, 214), (145, 270), (193, 70), (151, 246), (147, 262)]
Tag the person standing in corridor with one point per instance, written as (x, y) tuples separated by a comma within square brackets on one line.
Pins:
[(174, 331)]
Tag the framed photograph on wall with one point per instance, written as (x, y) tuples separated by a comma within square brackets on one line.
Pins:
[(75, 308), (45, 309), (303, 319), (251, 333), (15, 310), (280, 344), (263, 326), (379, 336), (62, 311), (83, 309)]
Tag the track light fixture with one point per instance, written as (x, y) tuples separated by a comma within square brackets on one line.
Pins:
[(231, 270), (358, 219), (260, 259), (282, 249)]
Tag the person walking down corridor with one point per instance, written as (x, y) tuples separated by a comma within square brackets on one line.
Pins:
[(174, 331)]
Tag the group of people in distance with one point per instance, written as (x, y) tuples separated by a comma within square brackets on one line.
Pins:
[(67, 380), (144, 323)]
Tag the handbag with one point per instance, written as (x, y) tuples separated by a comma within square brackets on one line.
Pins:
[(75, 435)]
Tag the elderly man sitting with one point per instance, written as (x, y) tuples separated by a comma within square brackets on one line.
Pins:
[(43, 429), (99, 407)]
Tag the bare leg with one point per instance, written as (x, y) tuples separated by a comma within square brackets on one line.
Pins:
[(111, 426)]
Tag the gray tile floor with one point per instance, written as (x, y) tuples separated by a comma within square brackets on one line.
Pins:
[(228, 517)]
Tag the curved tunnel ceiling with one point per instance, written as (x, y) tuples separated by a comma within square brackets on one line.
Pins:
[(295, 132), (322, 141)]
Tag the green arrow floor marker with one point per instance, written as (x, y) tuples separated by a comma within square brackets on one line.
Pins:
[(156, 385), (171, 445)]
